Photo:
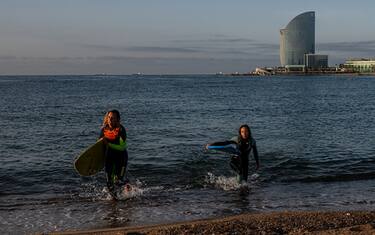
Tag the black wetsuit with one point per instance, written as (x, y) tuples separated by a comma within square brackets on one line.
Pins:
[(240, 162), (116, 158)]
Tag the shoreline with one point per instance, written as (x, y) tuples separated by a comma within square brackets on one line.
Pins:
[(288, 222), (307, 74)]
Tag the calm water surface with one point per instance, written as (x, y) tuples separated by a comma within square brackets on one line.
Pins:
[(315, 136)]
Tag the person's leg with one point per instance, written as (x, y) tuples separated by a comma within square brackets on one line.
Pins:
[(110, 171), (244, 168), (235, 163), (121, 171)]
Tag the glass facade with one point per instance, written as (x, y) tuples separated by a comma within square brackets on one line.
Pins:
[(314, 61), (297, 39)]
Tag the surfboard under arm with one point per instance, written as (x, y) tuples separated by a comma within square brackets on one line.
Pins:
[(92, 160)]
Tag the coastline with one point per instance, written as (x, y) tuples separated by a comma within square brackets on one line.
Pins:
[(288, 222), (302, 74)]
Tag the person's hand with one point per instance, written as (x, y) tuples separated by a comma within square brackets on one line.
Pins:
[(105, 142), (206, 146)]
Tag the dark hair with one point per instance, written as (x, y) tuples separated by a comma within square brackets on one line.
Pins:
[(244, 126), (105, 119), (115, 111)]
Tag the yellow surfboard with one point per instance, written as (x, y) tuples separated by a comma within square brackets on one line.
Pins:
[(92, 160)]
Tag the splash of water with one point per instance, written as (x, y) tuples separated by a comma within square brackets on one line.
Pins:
[(223, 182), (229, 183), (131, 191)]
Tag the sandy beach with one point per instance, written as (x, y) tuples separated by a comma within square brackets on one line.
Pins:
[(350, 222)]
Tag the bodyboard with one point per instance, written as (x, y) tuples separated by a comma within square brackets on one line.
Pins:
[(92, 160), (229, 148)]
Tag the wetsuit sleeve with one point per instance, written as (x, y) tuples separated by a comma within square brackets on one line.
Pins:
[(222, 143), (255, 152), (122, 145), (123, 133)]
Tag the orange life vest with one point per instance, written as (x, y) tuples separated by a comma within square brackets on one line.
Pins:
[(111, 134)]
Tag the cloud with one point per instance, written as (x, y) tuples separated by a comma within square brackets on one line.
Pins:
[(129, 65), (216, 54), (105, 47), (213, 40), (216, 43), (226, 45), (367, 47), (160, 49), (8, 57), (147, 49), (224, 54)]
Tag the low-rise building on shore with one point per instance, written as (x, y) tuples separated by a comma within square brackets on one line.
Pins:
[(361, 65)]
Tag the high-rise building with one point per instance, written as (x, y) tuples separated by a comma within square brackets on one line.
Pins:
[(297, 39)]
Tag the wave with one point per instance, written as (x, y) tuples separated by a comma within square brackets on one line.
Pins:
[(283, 167), (335, 178)]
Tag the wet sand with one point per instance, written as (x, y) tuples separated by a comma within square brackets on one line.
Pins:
[(351, 222)]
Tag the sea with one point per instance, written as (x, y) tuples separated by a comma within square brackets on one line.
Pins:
[(314, 134)]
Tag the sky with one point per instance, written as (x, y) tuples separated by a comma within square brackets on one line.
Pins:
[(40, 37)]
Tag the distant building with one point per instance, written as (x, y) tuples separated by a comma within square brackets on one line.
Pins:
[(361, 65), (314, 61), (297, 39)]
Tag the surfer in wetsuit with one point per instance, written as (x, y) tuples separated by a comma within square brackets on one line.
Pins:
[(114, 137), (245, 143)]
